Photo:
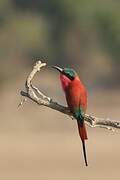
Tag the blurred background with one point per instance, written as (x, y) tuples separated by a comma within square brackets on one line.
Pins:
[(39, 143)]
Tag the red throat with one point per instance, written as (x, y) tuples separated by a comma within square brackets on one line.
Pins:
[(65, 81)]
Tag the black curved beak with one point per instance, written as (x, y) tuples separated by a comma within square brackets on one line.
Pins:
[(58, 68)]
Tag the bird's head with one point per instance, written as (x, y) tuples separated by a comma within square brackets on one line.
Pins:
[(68, 72), (67, 75)]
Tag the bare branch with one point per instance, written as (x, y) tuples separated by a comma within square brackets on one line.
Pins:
[(38, 97)]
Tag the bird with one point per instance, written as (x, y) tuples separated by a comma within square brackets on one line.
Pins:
[(76, 97)]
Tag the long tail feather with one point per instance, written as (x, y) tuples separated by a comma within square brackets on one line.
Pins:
[(83, 136), (84, 152), (82, 131)]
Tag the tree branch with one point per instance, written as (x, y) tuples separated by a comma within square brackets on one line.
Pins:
[(38, 97)]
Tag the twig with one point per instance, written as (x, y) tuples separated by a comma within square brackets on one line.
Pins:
[(38, 97)]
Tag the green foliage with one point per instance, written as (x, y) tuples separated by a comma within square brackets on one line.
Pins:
[(61, 30), (108, 27)]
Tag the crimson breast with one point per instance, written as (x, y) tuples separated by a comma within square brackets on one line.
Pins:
[(76, 95)]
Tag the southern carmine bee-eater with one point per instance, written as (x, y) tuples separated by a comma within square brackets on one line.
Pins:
[(76, 97)]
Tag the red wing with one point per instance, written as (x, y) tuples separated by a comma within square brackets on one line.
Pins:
[(76, 96)]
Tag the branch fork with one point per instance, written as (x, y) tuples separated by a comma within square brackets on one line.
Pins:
[(33, 93)]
